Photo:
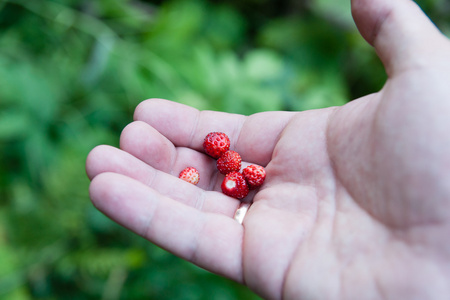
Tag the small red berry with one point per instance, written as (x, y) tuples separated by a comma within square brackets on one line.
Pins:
[(254, 175), (216, 143), (234, 185), (230, 161), (190, 175)]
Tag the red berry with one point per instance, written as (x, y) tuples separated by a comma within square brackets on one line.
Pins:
[(230, 161), (254, 175), (190, 175), (216, 143), (234, 185)]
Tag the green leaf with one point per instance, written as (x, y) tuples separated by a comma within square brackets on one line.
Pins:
[(14, 124), (335, 11), (263, 65)]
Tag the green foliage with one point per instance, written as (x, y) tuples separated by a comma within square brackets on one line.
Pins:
[(71, 74)]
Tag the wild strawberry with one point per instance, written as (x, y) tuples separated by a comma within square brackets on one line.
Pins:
[(254, 175), (234, 185), (230, 161), (216, 143), (190, 175)]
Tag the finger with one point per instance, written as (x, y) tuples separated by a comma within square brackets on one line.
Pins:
[(144, 142), (254, 137), (103, 159), (147, 144), (401, 33), (211, 241)]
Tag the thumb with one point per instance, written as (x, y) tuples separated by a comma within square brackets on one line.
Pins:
[(401, 33)]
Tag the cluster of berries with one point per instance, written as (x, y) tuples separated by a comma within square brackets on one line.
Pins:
[(235, 184)]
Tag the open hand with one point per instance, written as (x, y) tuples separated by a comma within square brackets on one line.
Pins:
[(356, 203)]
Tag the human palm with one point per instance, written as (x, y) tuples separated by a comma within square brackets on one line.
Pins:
[(356, 200)]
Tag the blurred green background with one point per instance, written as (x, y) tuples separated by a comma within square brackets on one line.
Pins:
[(71, 74)]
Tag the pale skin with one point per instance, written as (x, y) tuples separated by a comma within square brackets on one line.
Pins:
[(356, 204)]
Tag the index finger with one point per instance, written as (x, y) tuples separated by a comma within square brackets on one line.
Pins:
[(254, 136)]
